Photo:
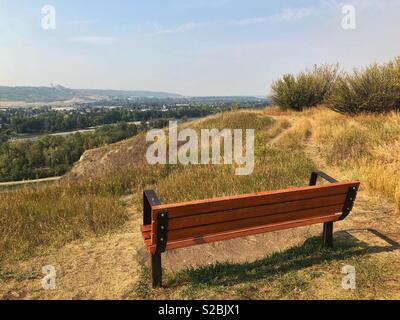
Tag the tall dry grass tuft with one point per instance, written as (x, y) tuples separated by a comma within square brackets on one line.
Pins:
[(242, 119), (33, 219), (280, 169)]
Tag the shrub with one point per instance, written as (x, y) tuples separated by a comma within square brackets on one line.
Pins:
[(307, 89), (375, 89)]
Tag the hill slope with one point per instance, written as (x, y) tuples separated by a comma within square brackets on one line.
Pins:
[(108, 263)]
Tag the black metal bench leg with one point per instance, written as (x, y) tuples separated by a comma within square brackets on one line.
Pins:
[(156, 270), (327, 235)]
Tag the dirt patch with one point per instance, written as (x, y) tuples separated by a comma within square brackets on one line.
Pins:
[(100, 268), (240, 250), (124, 153)]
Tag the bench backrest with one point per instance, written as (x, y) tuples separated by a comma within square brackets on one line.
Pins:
[(190, 223)]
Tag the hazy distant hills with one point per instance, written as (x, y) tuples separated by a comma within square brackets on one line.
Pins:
[(60, 93), (36, 94), (126, 94)]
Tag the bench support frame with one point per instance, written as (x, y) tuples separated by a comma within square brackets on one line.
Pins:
[(327, 233), (149, 200), (156, 270)]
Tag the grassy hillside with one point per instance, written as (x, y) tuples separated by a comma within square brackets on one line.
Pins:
[(289, 145), (36, 94)]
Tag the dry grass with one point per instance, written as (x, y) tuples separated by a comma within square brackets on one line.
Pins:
[(278, 169), (363, 147), (274, 167), (366, 147), (34, 219), (31, 220)]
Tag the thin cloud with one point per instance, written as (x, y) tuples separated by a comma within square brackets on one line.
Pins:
[(186, 27), (202, 3), (82, 22), (295, 14), (286, 15), (95, 40)]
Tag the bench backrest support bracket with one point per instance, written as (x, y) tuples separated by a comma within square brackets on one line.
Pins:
[(162, 232), (349, 203)]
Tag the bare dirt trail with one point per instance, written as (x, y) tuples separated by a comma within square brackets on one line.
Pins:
[(25, 182)]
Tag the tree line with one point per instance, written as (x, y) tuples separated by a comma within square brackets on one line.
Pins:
[(56, 121), (49, 156)]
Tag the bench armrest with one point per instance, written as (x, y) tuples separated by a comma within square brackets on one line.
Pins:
[(316, 174), (350, 197), (149, 200)]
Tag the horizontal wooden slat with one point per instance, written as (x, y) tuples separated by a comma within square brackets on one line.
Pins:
[(251, 222), (246, 232), (252, 212), (182, 209), (147, 243), (146, 231), (146, 235), (145, 228)]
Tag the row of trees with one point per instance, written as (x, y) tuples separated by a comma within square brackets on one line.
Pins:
[(54, 155), (55, 121), (374, 89)]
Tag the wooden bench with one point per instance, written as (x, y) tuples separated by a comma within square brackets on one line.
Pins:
[(179, 225)]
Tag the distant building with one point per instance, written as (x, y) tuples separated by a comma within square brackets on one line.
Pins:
[(63, 108)]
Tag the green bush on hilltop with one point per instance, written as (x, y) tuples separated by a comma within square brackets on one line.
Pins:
[(374, 89), (307, 89)]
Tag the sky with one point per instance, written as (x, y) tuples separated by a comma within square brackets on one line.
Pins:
[(190, 47)]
